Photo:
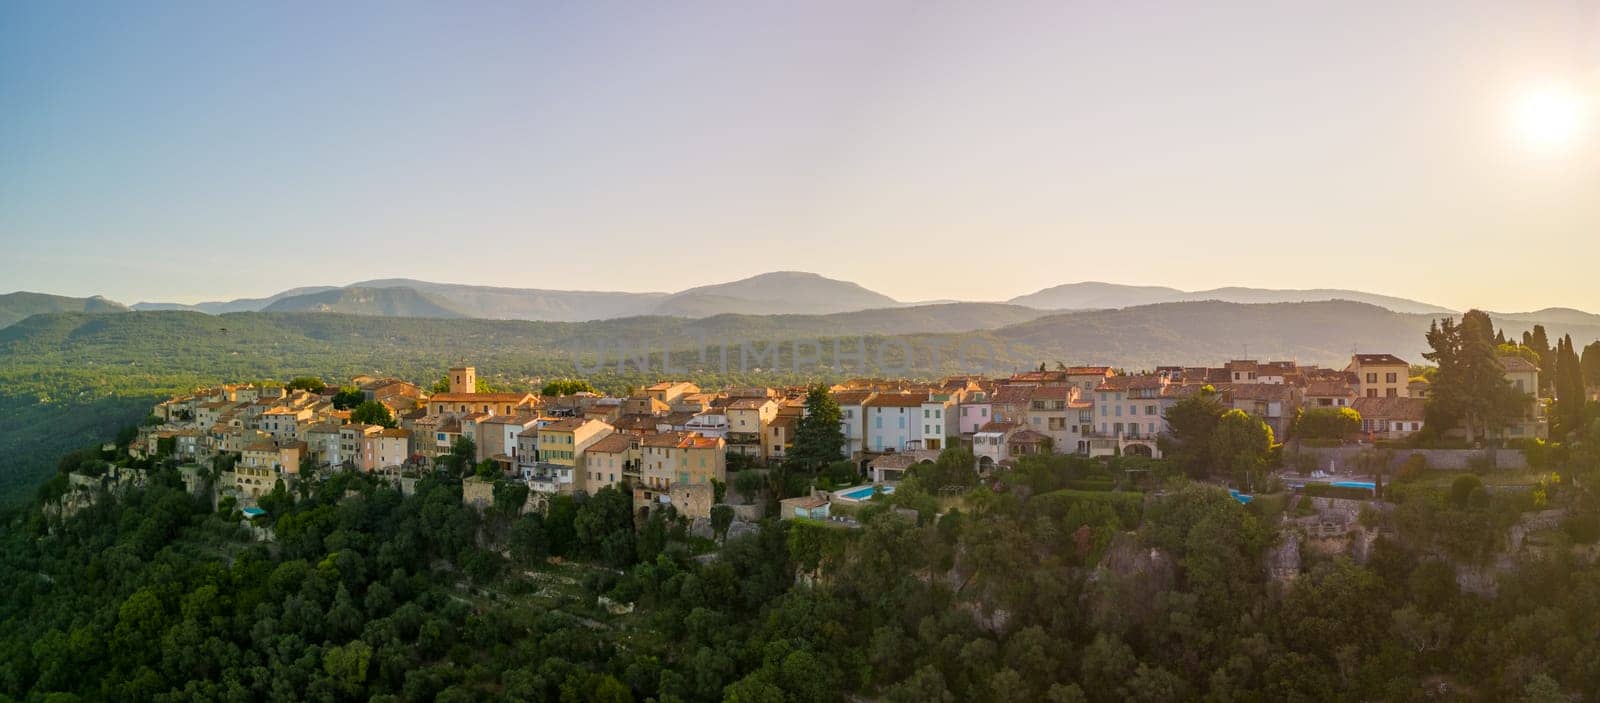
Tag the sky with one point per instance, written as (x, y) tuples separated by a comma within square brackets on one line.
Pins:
[(927, 150)]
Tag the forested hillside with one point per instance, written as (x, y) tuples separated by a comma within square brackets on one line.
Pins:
[(1032, 591)]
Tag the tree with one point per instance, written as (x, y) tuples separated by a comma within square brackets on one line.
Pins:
[(1539, 342), (566, 386), (372, 412), (1240, 445), (1470, 387), (604, 527), (1190, 422), (348, 398), (529, 544), (818, 438), (1328, 423), (721, 518), (306, 383), (1590, 363), (463, 455), (1571, 395)]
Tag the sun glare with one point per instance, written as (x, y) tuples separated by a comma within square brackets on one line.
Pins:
[(1550, 117)]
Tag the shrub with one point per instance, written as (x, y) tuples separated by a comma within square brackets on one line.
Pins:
[(1129, 507), (1329, 423), (1412, 469), (1091, 484), (1462, 489)]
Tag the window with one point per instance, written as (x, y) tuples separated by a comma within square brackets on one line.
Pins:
[(1372, 392), (1392, 393), (1150, 410), (1372, 378), (1391, 378)]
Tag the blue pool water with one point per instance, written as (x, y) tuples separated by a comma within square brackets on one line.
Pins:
[(1242, 498), (253, 512), (865, 492), (1369, 485)]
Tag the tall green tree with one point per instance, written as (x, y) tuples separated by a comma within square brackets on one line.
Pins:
[(818, 437), (1539, 341), (1190, 423), (1470, 388), (1239, 447), (372, 412), (1590, 362), (1569, 389)]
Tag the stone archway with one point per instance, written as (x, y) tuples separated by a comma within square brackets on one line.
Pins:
[(1138, 449)]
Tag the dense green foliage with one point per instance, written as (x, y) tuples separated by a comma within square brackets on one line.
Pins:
[(1328, 423), (566, 386), (1026, 589), (372, 412), (1469, 390), (818, 439)]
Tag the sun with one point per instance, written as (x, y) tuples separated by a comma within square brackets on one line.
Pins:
[(1550, 117)]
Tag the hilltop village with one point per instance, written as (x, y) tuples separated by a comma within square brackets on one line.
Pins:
[(673, 442)]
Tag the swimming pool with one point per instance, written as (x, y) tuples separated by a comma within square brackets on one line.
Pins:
[(864, 492), (1369, 485)]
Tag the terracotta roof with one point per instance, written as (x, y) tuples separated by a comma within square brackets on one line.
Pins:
[(1122, 383), (1053, 393), (1027, 436), (480, 397), (1326, 388), (615, 443), (896, 400), (568, 424), (747, 403), (394, 432), (1012, 394), (851, 397), (998, 426)]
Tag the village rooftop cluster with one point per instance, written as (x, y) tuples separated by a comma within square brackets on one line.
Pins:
[(670, 441)]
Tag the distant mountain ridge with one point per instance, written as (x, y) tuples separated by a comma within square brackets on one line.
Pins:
[(18, 306), (773, 293), (355, 300), (1090, 295)]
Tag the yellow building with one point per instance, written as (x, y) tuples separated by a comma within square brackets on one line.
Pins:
[(458, 404), (1524, 378), (463, 380), (610, 461), (672, 458), (561, 447), (1380, 375), (748, 419)]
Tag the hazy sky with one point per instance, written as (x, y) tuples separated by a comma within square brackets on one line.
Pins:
[(189, 151)]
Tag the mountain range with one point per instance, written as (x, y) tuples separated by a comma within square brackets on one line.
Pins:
[(15, 307), (1094, 295), (775, 293)]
